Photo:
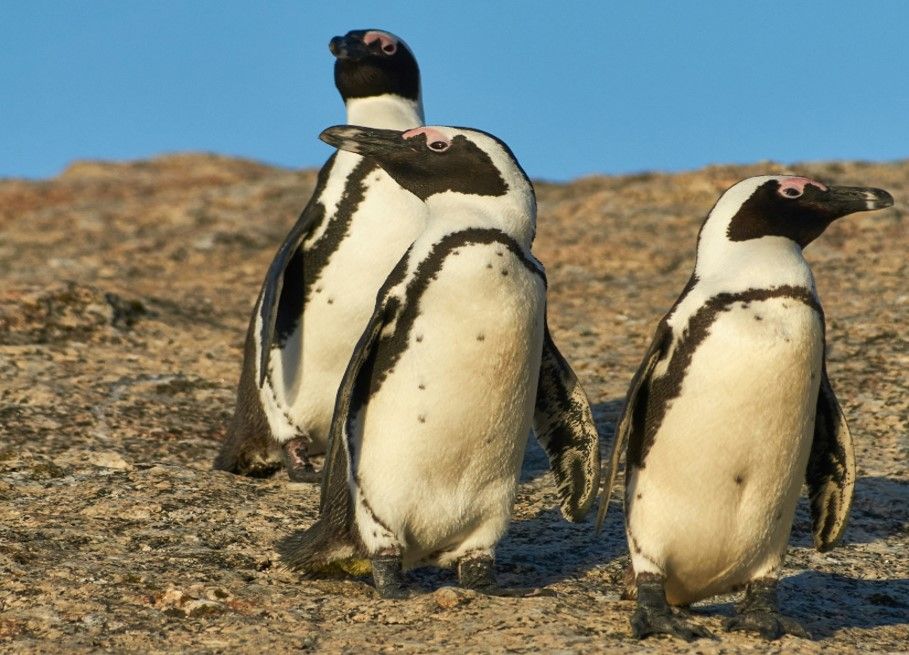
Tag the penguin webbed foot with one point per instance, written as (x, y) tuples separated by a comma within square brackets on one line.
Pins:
[(769, 625), (295, 455), (759, 612), (478, 574), (648, 621), (653, 615), (388, 577)]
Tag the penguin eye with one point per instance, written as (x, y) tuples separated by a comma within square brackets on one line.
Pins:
[(439, 146), (791, 192), (389, 48)]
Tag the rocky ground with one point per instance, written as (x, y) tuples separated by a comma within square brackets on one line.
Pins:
[(124, 299)]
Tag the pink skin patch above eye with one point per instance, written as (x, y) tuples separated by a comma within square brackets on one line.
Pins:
[(432, 135), (388, 43), (799, 184)]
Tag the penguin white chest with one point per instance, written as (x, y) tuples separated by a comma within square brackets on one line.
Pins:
[(344, 295), (359, 256), (443, 436), (714, 501)]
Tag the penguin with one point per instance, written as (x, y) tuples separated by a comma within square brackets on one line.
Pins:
[(331, 264), (731, 410), (434, 411)]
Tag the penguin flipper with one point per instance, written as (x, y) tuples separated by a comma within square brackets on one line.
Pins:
[(630, 431), (333, 537), (249, 448), (564, 426), (831, 469), (280, 305)]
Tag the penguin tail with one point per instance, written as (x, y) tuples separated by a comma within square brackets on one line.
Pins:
[(320, 549), (247, 455), (249, 448)]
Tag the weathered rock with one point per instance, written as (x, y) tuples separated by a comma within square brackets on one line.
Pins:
[(125, 296)]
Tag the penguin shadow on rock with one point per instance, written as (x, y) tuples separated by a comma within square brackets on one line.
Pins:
[(826, 603), (880, 511), (829, 602), (545, 549)]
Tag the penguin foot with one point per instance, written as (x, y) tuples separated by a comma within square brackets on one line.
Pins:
[(648, 621), (759, 612), (653, 615), (477, 572), (388, 577), (770, 625), (295, 454)]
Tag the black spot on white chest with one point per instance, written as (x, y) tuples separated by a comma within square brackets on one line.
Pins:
[(457, 293)]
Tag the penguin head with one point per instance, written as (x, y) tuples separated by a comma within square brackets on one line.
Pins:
[(449, 167), (796, 208), (374, 63), (759, 226)]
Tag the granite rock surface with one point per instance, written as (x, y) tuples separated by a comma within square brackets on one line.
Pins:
[(125, 291)]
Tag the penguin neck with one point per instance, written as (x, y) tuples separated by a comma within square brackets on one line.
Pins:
[(450, 211), (388, 111), (766, 262)]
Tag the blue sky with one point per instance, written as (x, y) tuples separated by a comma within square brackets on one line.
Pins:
[(574, 87)]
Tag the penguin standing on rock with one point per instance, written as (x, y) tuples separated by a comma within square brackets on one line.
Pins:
[(731, 410), (434, 410), (320, 288)]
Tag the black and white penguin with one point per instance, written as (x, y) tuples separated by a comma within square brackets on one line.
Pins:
[(731, 410), (320, 288), (433, 414)]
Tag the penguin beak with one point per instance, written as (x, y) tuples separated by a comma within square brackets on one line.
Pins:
[(348, 47), (380, 144), (843, 200)]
